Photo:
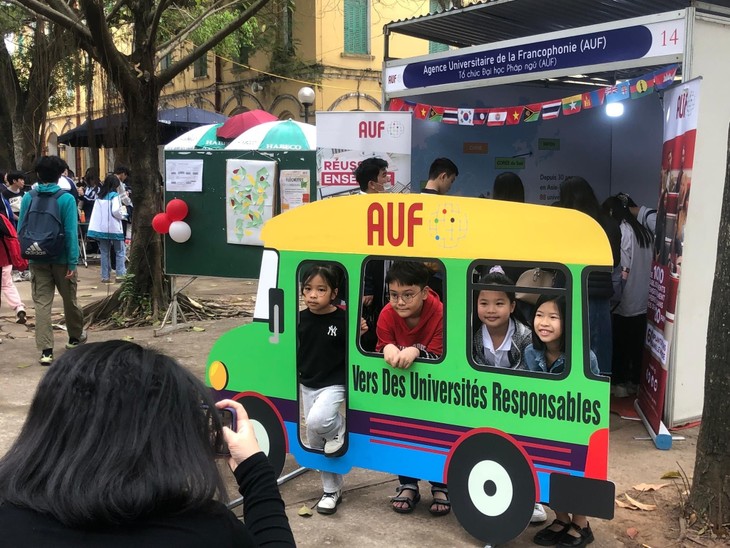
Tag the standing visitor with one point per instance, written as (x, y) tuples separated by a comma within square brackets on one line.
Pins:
[(441, 175), (105, 226), (51, 272)]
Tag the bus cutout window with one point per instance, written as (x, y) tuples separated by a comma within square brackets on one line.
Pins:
[(402, 304), (520, 321), (322, 357)]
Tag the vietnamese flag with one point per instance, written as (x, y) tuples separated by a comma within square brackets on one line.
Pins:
[(514, 114), (422, 111)]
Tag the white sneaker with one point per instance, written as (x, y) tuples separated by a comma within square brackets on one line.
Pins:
[(334, 447), (538, 514), (329, 501)]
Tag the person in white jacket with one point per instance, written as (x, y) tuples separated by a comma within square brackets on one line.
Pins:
[(105, 226)]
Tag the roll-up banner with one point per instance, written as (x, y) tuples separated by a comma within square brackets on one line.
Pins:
[(681, 106)]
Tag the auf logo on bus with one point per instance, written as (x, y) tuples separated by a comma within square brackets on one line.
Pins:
[(370, 129), (392, 222)]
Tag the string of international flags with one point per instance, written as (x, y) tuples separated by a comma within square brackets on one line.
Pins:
[(500, 116)]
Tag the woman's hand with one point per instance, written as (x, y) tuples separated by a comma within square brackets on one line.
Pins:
[(242, 444)]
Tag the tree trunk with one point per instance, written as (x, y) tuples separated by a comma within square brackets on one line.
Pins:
[(146, 261), (710, 495)]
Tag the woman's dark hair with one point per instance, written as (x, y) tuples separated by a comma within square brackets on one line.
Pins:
[(617, 208), (498, 278), (508, 187), (576, 193), (559, 301), (331, 274), (115, 433), (110, 184)]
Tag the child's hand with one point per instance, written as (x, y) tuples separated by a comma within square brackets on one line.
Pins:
[(242, 443), (407, 356), (390, 354), (363, 326), (400, 359)]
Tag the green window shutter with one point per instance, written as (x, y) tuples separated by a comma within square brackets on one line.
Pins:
[(436, 47), (200, 67), (356, 27)]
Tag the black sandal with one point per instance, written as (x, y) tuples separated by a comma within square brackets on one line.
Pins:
[(410, 501), (443, 502), (548, 537), (585, 536)]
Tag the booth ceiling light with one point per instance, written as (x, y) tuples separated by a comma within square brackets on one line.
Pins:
[(614, 110)]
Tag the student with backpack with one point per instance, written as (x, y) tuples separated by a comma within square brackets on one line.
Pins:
[(48, 234)]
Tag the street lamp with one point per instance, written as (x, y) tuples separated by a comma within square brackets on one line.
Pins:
[(306, 98)]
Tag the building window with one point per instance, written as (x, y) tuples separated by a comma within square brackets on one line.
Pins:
[(166, 61), (436, 47), (356, 27), (200, 67)]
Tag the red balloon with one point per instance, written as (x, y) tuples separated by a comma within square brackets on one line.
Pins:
[(161, 223), (176, 209)]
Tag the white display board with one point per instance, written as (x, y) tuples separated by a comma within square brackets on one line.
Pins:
[(344, 139)]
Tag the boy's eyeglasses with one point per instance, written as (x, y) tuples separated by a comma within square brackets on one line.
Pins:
[(406, 297)]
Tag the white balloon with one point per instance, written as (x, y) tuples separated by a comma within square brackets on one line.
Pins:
[(180, 231)]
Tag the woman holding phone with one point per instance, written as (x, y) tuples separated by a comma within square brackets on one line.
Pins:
[(118, 450)]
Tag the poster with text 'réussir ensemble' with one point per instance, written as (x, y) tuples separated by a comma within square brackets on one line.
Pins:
[(344, 139)]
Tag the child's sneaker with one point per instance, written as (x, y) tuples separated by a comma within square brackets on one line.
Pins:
[(329, 501), (46, 357), (335, 446), (74, 342), (538, 514)]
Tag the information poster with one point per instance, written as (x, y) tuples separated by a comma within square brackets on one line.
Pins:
[(681, 105), (184, 175), (293, 188), (249, 199), (344, 139)]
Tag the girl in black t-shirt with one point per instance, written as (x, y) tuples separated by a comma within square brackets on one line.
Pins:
[(321, 367)]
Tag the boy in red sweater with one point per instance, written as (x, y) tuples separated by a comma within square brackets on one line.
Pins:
[(411, 326)]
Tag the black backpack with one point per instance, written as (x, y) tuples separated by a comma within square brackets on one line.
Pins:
[(42, 235)]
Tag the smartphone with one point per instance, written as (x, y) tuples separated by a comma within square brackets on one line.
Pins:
[(228, 418)]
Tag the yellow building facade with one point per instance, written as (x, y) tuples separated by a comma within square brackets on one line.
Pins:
[(342, 39)]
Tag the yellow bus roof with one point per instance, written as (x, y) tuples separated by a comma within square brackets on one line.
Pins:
[(425, 225)]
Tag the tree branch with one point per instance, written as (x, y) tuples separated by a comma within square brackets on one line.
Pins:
[(161, 7), (173, 70), (46, 10), (181, 36)]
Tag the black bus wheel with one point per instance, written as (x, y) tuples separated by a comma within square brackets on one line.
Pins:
[(491, 487), (268, 428)]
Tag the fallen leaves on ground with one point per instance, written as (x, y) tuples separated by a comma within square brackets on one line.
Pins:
[(672, 474), (633, 504), (305, 511), (632, 532), (649, 486)]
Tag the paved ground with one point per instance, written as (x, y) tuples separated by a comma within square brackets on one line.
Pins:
[(364, 518)]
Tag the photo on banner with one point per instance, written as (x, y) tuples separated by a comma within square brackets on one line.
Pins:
[(344, 139)]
